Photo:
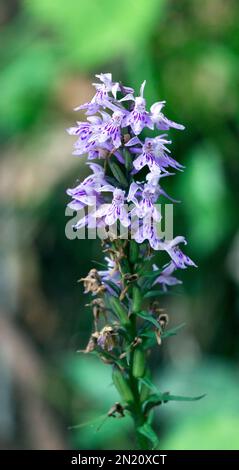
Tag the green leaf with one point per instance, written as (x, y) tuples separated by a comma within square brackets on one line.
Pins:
[(159, 398), (160, 293), (144, 268), (136, 299), (148, 333), (154, 293), (120, 310), (91, 422), (153, 273), (146, 316), (172, 331), (153, 400), (151, 340), (168, 397), (118, 174), (147, 431), (127, 159), (111, 180), (146, 381), (149, 278), (103, 265), (133, 251)]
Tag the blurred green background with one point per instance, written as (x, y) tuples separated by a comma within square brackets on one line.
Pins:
[(49, 52)]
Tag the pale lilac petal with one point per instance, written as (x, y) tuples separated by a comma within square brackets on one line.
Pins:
[(111, 217), (114, 90), (132, 190), (75, 205), (142, 89), (157, 107), (175, 241), (124, 217), (133, 141), (96, 168), (104, 77), (127, 89), (107, 188), (128, 97), (165, 124), (103, 210), (140, 162)]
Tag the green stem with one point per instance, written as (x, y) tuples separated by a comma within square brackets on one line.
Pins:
[(129, 265), (137, 411), (137, 415)]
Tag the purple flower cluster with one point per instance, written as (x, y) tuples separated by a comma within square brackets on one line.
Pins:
[(112, 133)]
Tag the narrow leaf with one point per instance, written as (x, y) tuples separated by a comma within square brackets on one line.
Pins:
[(160, 293), (149, 384), (153, 273), (159, 398), (154, 293), (172, 331), (152, 401), (91, 422), (103, 265), (148, 317), (118, 174), (168, 397)]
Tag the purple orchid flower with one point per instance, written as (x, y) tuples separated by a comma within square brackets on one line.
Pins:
[(111, 274), (179, 258), (145, 229), (86, 133), (83, 131), (153, 153), (102, 98), (102, 135), (87, 192), (113, 87), (138, 118), (160, 121), (90, 139), (112, 129), (166, 278), (116, 210), (106, 86), (144, 203), (90, 221)]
